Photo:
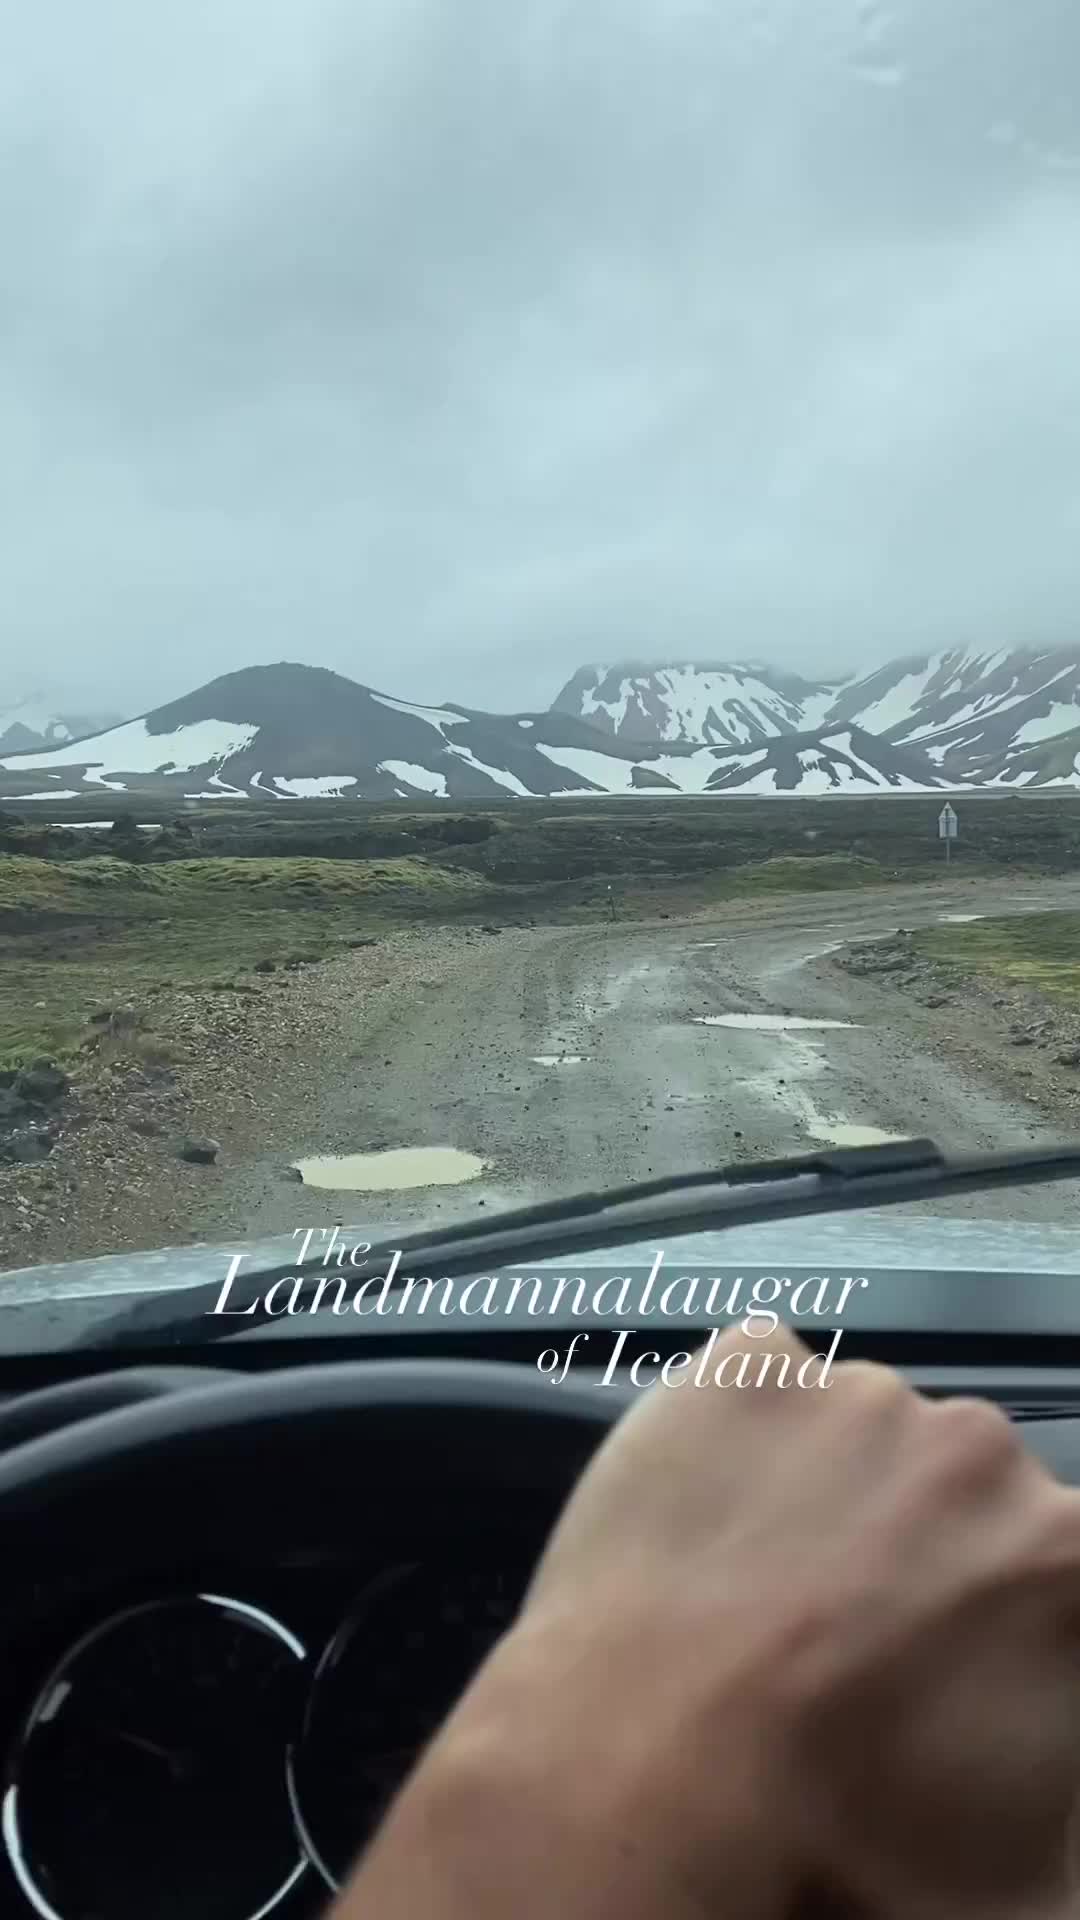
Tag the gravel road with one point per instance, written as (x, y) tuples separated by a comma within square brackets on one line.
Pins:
[(577, 1057)]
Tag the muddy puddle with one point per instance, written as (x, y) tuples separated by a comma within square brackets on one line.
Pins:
[(844, 1133), (766, 1022), (391, 1170)]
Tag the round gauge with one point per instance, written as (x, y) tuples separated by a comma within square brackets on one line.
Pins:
[(150, 1776), (383, 1688)]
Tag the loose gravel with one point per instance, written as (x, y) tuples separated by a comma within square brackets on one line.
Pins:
[(242, 1067)]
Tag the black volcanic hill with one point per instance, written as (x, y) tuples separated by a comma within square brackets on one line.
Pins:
[(287, 731)]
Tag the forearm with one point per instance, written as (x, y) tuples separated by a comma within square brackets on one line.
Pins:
[(542, 1811), (473, 1838)]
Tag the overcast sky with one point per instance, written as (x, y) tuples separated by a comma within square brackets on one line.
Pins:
[(454, 343)]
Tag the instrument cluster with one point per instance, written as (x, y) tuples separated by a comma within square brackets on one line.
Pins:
[(201, 1753)]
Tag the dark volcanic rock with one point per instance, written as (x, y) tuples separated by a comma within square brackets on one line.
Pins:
[(200, 1152), (42, 1083), (27, 1144)]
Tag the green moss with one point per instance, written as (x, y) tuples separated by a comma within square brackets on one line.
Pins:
[(116, 887), (807, 873), (1040, 950), (121, 932)]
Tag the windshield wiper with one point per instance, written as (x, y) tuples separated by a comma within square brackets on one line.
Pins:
[(738, 1195)]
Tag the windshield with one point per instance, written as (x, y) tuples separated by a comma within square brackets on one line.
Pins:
[(542, 612)]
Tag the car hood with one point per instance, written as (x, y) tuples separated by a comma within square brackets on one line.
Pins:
[(921, 1273)]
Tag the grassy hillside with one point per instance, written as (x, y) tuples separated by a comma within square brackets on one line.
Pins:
[(76, 936), (105, 887)]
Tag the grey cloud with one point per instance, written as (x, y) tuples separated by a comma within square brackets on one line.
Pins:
[(454, 344)]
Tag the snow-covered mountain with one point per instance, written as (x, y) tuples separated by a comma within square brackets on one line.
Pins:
[(289, 732), (294, 732), (999, 718), (967, 708), (730, 705), (906, 698)]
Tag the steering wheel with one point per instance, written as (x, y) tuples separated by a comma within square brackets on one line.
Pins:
[(189, 1454), (179, 1463), (173, 1457)]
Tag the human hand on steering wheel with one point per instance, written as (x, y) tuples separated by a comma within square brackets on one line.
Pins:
[(785, 1647)]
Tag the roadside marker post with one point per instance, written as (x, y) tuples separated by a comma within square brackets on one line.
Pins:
[(947, 826)]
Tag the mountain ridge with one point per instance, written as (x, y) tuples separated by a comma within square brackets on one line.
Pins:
[(948, 720)]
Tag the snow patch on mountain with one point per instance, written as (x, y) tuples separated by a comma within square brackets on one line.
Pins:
[(1060, 717), (414, 775), (600, 773), (332, 786), (975, 710), (132, 748), (894, 707), (501, 775), (848, 759)]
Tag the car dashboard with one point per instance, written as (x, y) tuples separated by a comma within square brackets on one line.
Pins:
[(210, 1693), (221, 1738)]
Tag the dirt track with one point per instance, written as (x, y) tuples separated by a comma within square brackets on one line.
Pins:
[(653, 1090), (565, 1057)]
